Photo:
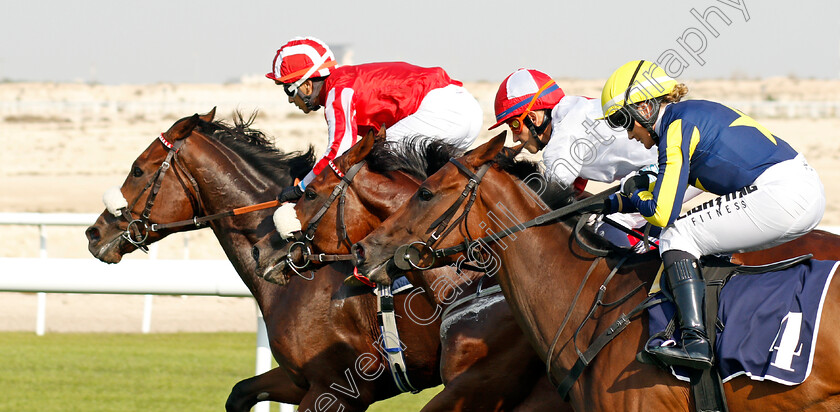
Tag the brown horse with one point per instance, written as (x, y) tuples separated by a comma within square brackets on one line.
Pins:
[(486, 362), (322, 333), (540, 271)]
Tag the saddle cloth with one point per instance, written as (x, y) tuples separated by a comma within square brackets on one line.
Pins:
[(770, 323)]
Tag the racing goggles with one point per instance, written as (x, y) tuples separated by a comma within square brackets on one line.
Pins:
[(516, 125), (621, 120), (290, 89)]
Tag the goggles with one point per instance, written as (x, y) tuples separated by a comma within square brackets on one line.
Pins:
[(621, 120), (517, 123), (290, 89)]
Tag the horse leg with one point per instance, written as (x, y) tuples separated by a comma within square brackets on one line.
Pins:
[(274, 385), (323, 398)]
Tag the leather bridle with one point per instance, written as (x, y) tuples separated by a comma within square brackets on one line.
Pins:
[(137, 230), (305, 239)]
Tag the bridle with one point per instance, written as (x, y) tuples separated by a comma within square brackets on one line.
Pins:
[(137, 230), (304, 240), (441, 227), (408, 256)]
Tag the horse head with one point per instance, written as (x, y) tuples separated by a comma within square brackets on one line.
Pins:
[(157, 189), (427, 220), (342, 205)]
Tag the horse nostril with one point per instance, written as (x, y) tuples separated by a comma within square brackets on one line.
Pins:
[(255, 253), (358, 254), (92, 234)]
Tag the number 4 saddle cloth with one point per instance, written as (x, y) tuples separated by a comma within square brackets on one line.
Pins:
[(767, 323)]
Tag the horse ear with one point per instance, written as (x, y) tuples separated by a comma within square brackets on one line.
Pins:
[(486, 152), (209, 116), (380, 135), (182, 128), (359, 151)]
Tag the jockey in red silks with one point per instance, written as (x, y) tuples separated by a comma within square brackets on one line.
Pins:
[(409, 100)]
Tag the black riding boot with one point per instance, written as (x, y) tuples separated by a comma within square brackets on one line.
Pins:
[(688, 289)]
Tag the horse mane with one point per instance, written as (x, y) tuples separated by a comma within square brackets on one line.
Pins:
[(555, 195), (418, 156), (257, 149)]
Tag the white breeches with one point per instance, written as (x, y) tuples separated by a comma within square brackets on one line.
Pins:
[(450, 113), (784, 202)]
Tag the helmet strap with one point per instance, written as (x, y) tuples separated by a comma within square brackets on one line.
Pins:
[(648, 122), (537, 131), (311, 100)]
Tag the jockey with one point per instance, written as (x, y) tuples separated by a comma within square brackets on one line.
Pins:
[(576, 147), (407, 99), (768, 193)]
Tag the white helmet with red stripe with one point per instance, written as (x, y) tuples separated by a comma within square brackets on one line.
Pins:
[(525, 90), (300, 59)]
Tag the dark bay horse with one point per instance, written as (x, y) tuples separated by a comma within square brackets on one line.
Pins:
[(540, 271), (486, 361), (321, 333)]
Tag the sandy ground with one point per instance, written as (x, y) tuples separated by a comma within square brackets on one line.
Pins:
[(63, 145)]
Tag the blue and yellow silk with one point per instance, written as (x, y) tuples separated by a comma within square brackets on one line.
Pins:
[(710, 146)]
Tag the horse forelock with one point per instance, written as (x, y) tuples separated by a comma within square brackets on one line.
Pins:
[(256, 149), (418, 156)]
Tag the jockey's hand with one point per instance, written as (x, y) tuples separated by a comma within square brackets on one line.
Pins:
[(616, 203), (637, 181), (290, 194)]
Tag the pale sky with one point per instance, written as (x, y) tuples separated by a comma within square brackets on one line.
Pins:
[(152, 41)]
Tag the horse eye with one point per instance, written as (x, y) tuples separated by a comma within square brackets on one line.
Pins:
[(425, 194), (137, 172), (311, 195)]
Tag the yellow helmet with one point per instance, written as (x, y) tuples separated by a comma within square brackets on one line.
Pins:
[(634, 82)]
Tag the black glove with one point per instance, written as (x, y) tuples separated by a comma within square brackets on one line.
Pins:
[(640, 181), (290, 194)]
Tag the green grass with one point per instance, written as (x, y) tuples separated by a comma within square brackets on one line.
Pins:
[(134, 372)]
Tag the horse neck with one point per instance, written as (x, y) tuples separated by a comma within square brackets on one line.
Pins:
[(535, 267), (383, 194), (225, 182)]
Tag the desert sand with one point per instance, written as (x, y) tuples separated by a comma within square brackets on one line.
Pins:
[(63, 145)]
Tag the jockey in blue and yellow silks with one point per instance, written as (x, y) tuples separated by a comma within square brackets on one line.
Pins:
[(768, 193)]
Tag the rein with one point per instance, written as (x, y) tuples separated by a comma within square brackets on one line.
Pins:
[(142, 232), (408, 257)]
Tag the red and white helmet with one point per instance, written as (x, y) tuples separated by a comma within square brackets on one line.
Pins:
[(300, 59), (517, 94)]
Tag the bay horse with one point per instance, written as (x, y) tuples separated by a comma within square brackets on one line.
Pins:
[(541, 270), (322, 334), (486, 361)]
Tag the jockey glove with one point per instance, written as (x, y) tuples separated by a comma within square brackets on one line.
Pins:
[(290, 194), (641, 181), (618, 202)]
